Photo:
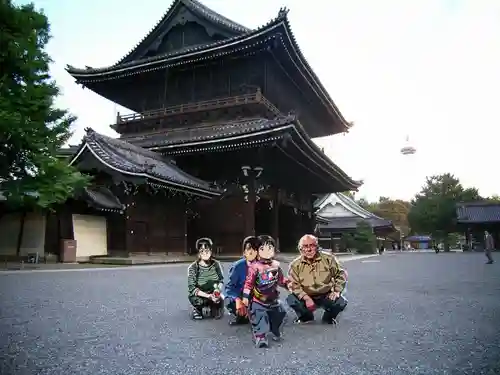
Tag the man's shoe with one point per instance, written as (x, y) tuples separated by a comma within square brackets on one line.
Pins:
[(303, 320), (489, 262), (328, 320), (276, 338)]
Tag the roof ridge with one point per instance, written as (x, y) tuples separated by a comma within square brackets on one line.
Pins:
[(194, 6), (279, 18), (217, 17)]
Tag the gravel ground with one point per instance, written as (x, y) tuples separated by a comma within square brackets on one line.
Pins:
[(408, 314)]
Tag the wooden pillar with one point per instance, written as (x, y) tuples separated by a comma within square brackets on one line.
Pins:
[(186, 244), (249, 206), (275, 214)]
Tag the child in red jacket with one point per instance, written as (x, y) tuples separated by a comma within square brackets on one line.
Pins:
[(267, 314)]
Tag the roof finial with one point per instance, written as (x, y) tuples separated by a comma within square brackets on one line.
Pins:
[(89, 131), (283, 12)]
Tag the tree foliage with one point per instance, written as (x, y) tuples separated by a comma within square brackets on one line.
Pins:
[(347, 242), (31, 128), (433, 209), (495, 198), (395, 210), (364, 239)]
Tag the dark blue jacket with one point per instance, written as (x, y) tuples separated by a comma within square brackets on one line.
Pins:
[(237, 276)]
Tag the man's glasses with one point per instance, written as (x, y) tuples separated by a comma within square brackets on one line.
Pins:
[(309, 246)]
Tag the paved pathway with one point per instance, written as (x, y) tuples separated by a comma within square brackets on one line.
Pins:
[(408, 314)]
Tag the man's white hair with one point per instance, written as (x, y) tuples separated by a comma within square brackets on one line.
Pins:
[(307, 237)]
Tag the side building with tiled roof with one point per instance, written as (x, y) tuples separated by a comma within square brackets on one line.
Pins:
[(473, 218), (338, 214), (233, 106)]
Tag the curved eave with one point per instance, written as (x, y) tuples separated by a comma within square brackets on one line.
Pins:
[(311, 75), (197, 8), (98, 154), (277, 29), (323, 160), (287, 127), (189, 55)]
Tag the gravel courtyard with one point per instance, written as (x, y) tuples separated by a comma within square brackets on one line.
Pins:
[(408, 314)]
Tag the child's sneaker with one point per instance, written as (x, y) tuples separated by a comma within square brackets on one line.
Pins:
[(261, 342), (197, 314)]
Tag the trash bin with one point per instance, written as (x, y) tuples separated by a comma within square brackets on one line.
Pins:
[(68, 251)]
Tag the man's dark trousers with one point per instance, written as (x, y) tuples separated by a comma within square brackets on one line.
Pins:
[(332, 308)]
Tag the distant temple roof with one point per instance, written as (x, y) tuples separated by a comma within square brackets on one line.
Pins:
[(134, 161), (478, 212), (343, 213)]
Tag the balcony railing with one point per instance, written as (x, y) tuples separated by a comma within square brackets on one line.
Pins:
[(232, 101)]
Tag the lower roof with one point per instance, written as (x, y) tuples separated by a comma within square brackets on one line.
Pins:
[(134, 161), (247, 132), (101, 198), (478, 212)]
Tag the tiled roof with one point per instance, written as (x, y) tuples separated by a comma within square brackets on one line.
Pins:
[(136, 161), (275, 32), (346, 202), (208, 132), (102, 199), (352, 222), (478, 212), (197, 8), (188, 50), (250, 131)]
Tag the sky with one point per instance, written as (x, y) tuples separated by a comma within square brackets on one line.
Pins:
[(423, 69)]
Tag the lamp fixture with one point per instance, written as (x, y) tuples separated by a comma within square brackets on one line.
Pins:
[(258, 171), (245, 170)]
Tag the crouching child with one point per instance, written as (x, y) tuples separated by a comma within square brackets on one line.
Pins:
[(205, 282), (261, 294), (236, 281)]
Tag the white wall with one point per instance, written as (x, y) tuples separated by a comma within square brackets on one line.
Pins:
[(90, 235), (33, 235)]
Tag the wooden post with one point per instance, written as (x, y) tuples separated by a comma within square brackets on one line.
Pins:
[(250, 207), (275, 228), (186, 249), (20, 235)]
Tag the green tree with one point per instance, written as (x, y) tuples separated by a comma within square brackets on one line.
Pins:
[(369, 206), (364, 239), (494, 198), (31, 128), (395, 210), (347, 242), (433, 209)]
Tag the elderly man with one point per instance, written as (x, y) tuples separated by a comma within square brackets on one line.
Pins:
[(316, 280)]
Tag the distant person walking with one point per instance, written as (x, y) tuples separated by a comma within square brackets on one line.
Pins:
[(489, 246)]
